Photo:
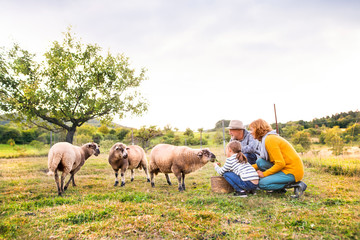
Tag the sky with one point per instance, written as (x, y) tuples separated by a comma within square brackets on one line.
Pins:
[(212, 60)]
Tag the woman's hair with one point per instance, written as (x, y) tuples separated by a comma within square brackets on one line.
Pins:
[(260, 128), (235, 146)]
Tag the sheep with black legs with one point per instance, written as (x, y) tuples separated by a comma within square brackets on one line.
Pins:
[(122, 157), (179, 160), (68, 158)]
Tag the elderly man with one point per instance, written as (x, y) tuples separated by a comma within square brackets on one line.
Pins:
[(250, 146)]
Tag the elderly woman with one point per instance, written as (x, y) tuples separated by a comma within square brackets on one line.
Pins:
[(279, 164)]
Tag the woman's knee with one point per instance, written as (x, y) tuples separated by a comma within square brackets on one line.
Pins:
[(263, 165)]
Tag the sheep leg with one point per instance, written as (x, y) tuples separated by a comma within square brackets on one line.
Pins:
[(67, 184), (183, 180), (168, 178), (63, 175), (132, 175), (73, 180), (152, 179), (177, 174), (116, 178), (122, 177), (56, 176), (147, 173)]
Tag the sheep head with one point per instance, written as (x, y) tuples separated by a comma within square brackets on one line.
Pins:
[(94, 148), (205, 155), (120, 150)]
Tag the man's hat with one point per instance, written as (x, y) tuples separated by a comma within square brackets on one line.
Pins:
[(236, 124)]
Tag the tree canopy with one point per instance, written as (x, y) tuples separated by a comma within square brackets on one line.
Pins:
[(75, 83)]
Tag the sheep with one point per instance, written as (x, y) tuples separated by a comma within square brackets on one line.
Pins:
[(179, 160), (127, 157), (67, 158)]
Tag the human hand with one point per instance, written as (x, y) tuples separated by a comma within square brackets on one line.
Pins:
[(260, 173), (216, 164)]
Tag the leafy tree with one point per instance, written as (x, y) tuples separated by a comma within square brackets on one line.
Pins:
[(121, 133), (352, 133), (290, 130), (97, 137), (302, 138), (103, 129), (144, 135), (333, 139), (86, 129), (74, 84), (7, 133), (218, 124), (188, 132)]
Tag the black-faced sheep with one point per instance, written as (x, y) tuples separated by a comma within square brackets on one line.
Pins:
[(127, 157), (167, 159), (68, 158)]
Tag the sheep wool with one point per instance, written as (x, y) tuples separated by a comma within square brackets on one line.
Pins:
[(68, 158), (180, 160), (122, 157)]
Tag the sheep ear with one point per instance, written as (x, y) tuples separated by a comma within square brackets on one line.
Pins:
[(117, 148), (127, 148), (200, 154)]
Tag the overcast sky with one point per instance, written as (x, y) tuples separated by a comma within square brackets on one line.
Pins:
[(212, 60)]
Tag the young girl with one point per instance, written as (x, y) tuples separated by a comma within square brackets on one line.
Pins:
[(237, 171)]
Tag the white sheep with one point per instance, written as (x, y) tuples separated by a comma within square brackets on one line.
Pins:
[(127, 157), (179, 160), (68, 158)]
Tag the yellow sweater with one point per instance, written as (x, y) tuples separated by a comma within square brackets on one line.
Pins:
[(284, 157)]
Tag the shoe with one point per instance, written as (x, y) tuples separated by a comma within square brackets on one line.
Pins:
[(240, 194), (283, 190), (252, 192), (299, 189)]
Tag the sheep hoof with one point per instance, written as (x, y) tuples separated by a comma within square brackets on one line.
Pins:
[(122, 184), (116, 183), (65, 188), (148, 180), (153, 184), (132, 180), (169, 183)]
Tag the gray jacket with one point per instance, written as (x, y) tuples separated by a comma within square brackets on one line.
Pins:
[(249, 144)]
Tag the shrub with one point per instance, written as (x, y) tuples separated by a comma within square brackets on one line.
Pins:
[(97, 137), (11, 142), (37, 144)]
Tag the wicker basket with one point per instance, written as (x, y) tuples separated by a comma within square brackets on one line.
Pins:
[(220, 185)]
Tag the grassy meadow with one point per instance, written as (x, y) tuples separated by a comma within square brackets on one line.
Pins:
[(7, 151), (95, 209)]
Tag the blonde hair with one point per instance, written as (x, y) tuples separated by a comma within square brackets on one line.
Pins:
[(235, 146), (260, 128)]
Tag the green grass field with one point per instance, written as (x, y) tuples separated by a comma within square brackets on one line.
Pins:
[(7, 151), (95, 209)]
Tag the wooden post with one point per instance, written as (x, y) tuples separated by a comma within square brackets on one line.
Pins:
[(277, 128), (50, 138), (223, 127)]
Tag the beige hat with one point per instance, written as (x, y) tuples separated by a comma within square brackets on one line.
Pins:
[(236, 124)]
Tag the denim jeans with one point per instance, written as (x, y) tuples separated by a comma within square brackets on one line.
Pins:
[(251, 157), (275, 181), (235, 181)]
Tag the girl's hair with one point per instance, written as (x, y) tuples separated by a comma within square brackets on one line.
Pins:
[(260, 128), (235, 146)]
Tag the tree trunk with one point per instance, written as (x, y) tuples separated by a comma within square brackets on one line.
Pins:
[(70, 135)]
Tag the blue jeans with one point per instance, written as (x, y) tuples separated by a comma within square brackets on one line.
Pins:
[(251, 157), (275, 181), (235, 181)]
